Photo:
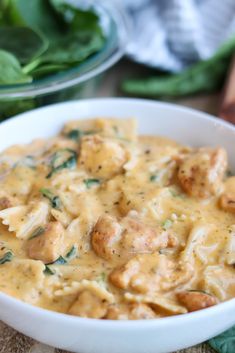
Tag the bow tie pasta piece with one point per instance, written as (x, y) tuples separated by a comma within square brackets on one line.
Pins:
[(22, 279), (24, 220)]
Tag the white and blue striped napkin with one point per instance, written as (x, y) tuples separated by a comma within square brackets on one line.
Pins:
[(173, 34)]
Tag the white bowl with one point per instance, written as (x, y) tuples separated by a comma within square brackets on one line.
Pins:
[(104, 336)]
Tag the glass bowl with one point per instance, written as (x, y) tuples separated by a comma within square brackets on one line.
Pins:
[(77, 82)]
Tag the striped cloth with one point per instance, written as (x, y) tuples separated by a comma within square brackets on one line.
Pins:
[(172, 34)]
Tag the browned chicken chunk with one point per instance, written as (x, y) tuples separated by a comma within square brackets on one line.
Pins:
[(202, 171), (136, 311), (151, 272), (227, 199), (88, 305), (102, 157), (128, 237), (5, 202), (196, 300), (105, 234), (48, 245)]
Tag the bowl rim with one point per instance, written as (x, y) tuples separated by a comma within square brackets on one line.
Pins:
[(120, 324), (112, 52)]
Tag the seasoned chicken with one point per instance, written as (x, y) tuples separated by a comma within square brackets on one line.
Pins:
[(196, 300), (48, 244), (151, 272), (102, 157), (202, 172), (136, 311), (128, 237), (227, 199)]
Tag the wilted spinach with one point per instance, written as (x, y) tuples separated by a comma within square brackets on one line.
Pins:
[(54, 200), (7, 257), (62, 159)]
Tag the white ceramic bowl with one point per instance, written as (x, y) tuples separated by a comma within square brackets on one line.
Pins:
[(96, 336)]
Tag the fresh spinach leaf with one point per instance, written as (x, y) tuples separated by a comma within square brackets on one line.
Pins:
[(23, 42), (55, 200), (7, 257), (204, 76), (10, 70), (72, 48), (36, 14), (91, 182), (224, 343), (62, 159), (46, 36)]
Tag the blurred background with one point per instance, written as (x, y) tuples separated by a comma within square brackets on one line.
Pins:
[(171, 50)]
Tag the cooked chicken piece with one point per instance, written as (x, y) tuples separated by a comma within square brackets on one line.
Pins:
[(128, 237), (202, 172), (48, 245), (88, 305), (151, 272), (196, 300), (140, 311), (122, 276), (5, 202), (105, 235), (136, 311), (101, 157), (140, 238), (227, 199)]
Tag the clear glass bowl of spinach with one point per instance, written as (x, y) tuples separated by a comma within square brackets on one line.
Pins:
[(54, 50)]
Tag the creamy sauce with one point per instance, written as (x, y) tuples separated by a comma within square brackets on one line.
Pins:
[(98, 222)]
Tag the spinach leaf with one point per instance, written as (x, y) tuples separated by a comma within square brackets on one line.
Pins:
[(154, 177), (224, 343), (23, 42), (76, 134), (46, 36), (72, 48), (91, 182), (38, 231), (167, 224), (36, 14), (48, 270), (7, 257), (72, 253), (204, 76), (78, 18), (55, 200), (45, 69), (10, 70), (62, 159), (60, 261)]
